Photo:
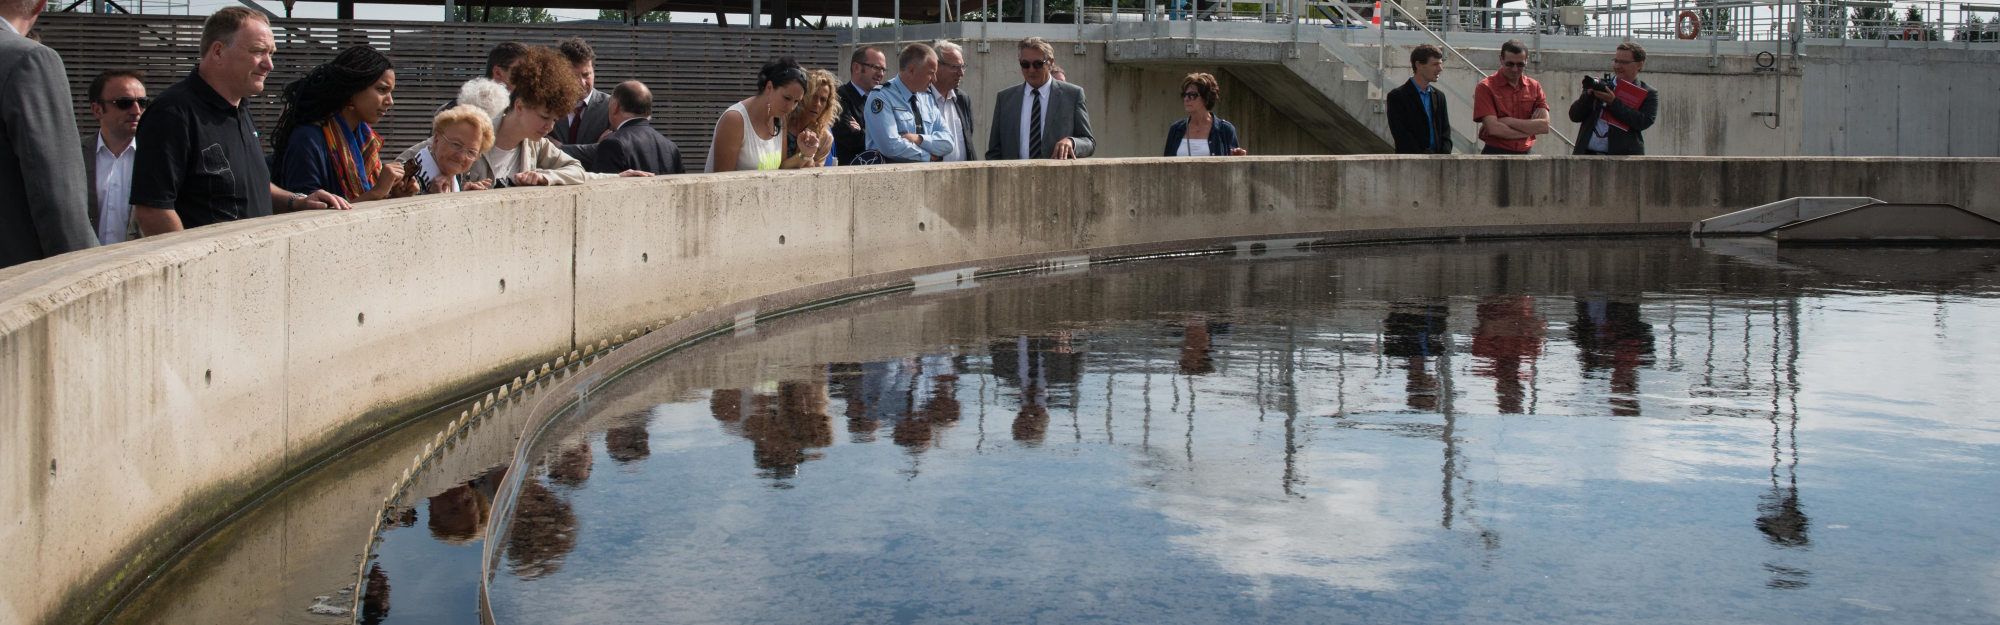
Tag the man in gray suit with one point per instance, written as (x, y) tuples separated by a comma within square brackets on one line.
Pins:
[(592, 116), (43, 193), (1042, 117)]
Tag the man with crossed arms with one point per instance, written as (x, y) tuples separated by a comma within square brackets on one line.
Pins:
[(902, 118)]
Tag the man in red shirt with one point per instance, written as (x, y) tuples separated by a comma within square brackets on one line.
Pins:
[(1509, 107)]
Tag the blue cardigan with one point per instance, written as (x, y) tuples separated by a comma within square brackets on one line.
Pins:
[(1221, 138)]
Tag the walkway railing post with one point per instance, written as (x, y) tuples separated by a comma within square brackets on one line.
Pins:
[(1295, 29), (854, 27)]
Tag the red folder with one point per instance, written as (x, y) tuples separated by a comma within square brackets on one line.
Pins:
[(1632, 95)]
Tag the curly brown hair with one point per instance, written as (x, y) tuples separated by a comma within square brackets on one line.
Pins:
[(543, 79)]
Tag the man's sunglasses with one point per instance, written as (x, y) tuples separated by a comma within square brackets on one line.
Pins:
[(1033, 64), (127, 103), (1515, 64)]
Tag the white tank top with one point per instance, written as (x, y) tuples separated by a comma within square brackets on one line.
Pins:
[(755, 153)]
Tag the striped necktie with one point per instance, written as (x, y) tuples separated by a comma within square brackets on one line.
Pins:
[(1035, 125)]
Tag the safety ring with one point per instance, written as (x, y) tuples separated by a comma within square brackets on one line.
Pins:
[(1912, 34), (1687, 25)]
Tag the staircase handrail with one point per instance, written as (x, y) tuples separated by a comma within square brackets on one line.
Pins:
[(1412, 19)]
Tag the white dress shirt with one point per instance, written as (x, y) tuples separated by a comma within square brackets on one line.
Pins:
[(947, 103), (114, 191), (10, 26), (1027, 112)]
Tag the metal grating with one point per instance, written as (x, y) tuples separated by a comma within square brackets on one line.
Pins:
[(694, 72)]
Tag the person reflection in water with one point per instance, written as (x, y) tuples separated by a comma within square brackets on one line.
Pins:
[(780, 426), (937, 376), (630, 442), (1196, 343), (1508, 336), (375, 599), (458, 515), (544, 531), (1610, 335), (1415, 333), (1036, 366)]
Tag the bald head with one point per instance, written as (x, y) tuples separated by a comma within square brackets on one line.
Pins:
[(630, 100)]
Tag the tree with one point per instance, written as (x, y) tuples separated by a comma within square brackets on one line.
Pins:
[(1868, 22), (612, 15), (1977, 30), (1914, 21), (505, 15)]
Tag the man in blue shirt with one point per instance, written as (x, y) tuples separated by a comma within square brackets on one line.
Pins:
[(1417, 117), (902, 118)]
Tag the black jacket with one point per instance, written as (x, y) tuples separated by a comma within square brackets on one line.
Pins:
[(964, 104), (636, 145), (1221, 137), (847, 141), (1407, 122), (1621, 142)]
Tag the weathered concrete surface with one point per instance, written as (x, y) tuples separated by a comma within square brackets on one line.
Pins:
[(151, 388)]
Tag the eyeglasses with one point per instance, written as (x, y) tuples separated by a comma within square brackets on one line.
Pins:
[(1190, 95), (875, 67), (1033, 64), (956, 67), (454, 146), (1514, 64), (127, 103), (1622, 62)]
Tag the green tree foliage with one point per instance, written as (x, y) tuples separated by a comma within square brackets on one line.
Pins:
[(1869, 22), (1978, 30), (504, 15), (1914, 21), (611, 15)]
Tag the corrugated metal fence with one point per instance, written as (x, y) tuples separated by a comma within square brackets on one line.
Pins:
[(694, 72)]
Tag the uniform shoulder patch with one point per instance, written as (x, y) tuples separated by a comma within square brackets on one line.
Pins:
[(875, 107)]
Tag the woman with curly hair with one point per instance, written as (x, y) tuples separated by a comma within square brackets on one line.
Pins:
[(324, 139), (544, 89), (808, 134)]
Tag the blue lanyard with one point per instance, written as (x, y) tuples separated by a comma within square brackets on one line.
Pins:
[(354, 144)]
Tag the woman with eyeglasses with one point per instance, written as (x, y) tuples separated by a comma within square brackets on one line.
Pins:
[(324, 138), (749, 135), (459, 136), (1202, 133), (808, 138)]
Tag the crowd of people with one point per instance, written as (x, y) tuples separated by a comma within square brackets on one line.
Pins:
[(192, 156), (1511, 109)]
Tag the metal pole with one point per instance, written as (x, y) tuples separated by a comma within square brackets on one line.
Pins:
[(756, 14), (984, 16), (854, 27), (1194, 39), (899, 28), (1295, 29), (1078, 18)]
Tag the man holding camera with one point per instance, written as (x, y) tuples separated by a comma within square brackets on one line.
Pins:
[(1613, 111)]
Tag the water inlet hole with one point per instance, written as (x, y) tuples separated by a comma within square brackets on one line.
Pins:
[(360, 318), (503, 285), (781, 239)]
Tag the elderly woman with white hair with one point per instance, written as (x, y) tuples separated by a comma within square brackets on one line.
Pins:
[(459, 136)]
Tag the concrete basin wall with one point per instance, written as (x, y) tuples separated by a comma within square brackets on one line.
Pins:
[(148, 390)]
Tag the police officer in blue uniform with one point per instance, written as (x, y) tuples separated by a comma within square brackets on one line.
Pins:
[(902, 118)]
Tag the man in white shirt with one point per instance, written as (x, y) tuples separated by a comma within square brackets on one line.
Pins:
[(954, 108), (117, 99)]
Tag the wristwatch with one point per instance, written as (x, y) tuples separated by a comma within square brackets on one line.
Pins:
[(292, 204)]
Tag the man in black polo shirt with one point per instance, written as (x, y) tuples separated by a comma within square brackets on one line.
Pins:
[(202, 163)]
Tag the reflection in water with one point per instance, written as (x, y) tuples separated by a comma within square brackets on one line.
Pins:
[(458, 515), (1610, 335), (1412, 482), (1508, 336), (375, 600)]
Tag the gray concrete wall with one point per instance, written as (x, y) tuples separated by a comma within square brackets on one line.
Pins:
[(149, 389), (1853, 98)]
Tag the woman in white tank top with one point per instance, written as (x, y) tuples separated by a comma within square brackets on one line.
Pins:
[(745, 141)]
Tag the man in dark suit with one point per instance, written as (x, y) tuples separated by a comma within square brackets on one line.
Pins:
[(43, 192), (1596, 110), (634, 144), (1417, 117), (592, 116), (1042, 117), (869, 68), (952, 101)]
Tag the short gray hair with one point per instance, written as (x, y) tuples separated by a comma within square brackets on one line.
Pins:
[(943, 46)]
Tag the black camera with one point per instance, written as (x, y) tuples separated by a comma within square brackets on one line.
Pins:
[(1598, 84)]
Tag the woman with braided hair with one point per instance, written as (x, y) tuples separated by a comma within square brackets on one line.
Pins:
[(324, 139)]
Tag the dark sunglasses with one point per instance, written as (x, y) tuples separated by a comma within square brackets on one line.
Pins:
[(1033, 64), (127, 103), (1190, 95), (1515, 64)]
